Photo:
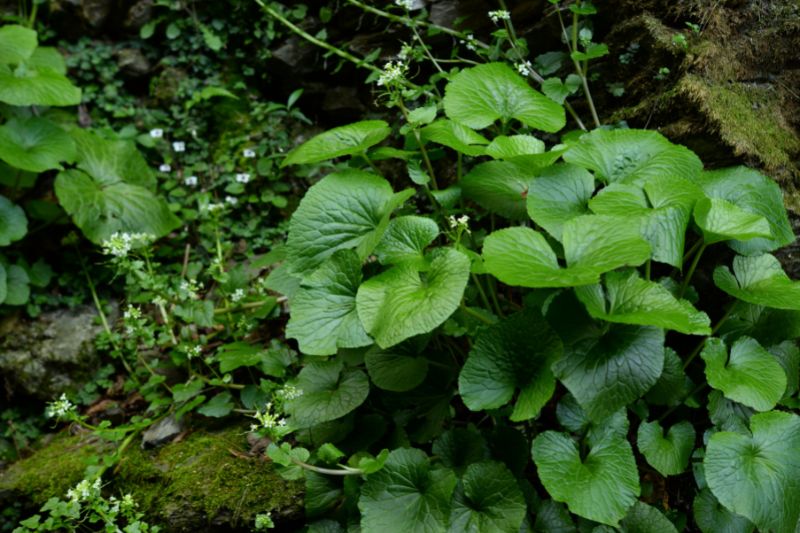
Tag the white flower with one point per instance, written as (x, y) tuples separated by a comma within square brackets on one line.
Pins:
[(190, 288), (156, 133), (179, 146), (289, 392), (249, 153), (232, 200), (268, 419), (194, 351), (238, 295), (405, 4), (525, 68), (190, 181), (212, 207), (393, 72), (164, 167), (459, 223), (59, 408), (132, 313), (405, 52), (120, 244), (159, 301), (471, 43), (500, 14), (242, 177)]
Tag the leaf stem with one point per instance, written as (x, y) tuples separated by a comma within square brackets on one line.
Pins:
[(692, 268), (343, 471), (475, 314)]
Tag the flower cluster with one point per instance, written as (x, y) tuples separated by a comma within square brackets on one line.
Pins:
[(267, 419), (242, 177), (459, 223), (85, 490), (190, 288), (238, 295), (193, 351), (471, 42), (393, 72), (179, 146), (60, 408), (212, 207), (120, 244), (190, 181), (289, 392), (405, 4), (500, 14), (525, 68), (133, 320)]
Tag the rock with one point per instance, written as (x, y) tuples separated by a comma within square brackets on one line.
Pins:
[(133, 63), (95, 11), (139, 14), (161, 432), (51, 354)]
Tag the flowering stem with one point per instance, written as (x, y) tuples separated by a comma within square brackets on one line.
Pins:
[(580, 71), (162, 311), (343, 471)]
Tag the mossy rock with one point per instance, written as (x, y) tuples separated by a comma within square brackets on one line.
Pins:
[(207, 482)]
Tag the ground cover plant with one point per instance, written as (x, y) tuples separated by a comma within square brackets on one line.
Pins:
[(488, 313)]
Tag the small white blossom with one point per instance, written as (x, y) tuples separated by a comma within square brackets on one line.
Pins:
[(232, 200), (132, 313), (159, 301), (500, 14), (190, 288), (120, 244), (190, 181), (156, 133), (393, 72), (238, 295), (212, 207), (405, 52), (249, 153), (59, 408), (525, 68), (242, 177), (179, 146), (164, 167), (289, 392), (194, 351), (459, 223), (471, 43), (405, 4)]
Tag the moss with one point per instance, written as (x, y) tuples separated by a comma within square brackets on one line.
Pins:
[(207, 478), (51, 470)]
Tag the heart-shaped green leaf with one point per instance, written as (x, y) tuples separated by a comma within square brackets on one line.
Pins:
[(757, 475), (751, 376), (456, 136), (324, 316), (351, 139), (753, 193), (406, 239), (721, 220), (479, 96), (670, 453), (759, 280), (47, 57), (632, 156), (398, 369), (613, 370), (458, 448), (13, 222), (499, 186), (503, 147), (407, 495), (628, 299), (35, 144), (347, 209), (17, 44), (329, 391), (712, 517), (558, 194), (28, 85), (18, 289), (403, 302), (601, 487), (643, 518), (512, 355), (593, 244), (487, 500)]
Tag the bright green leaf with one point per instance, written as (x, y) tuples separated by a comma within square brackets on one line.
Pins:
[(721, 220), (35, 144), (759, 280), (17, 44), (219, 406), (329, 391), (28, 85), (512, 355), (499, 186), (406, 239), (503, 147), (670, 453), (479, 96), (351, 139), (13, 222), (456, 136), (751, 375), (558, 194)]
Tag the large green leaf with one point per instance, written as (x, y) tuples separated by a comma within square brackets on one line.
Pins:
[(458, 448), (17, 44), (324, 316), (753, 193), (397, 369), (109, 162), (751, 376), (347, 209), (512, 355), (47, 57), (558, 194), (613, 370), (456, 136), (721, 220), (329, 391), (712, 517), (670, 453), (499, 186), (759, 280), (487, 500), (626, 298), (35, 144), (601, 487), (403, 302), (633, 156), (28, 85), (351, 139), (503, 147), (593, 244), (758, 475), (406, 496), (101, 209), (13, 222), (643, 518), (406, 239), (479, 96)]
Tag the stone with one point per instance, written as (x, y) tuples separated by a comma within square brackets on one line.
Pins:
[(51, 354), (95, 11), (139, 14), (161, 432), (133, 63)]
